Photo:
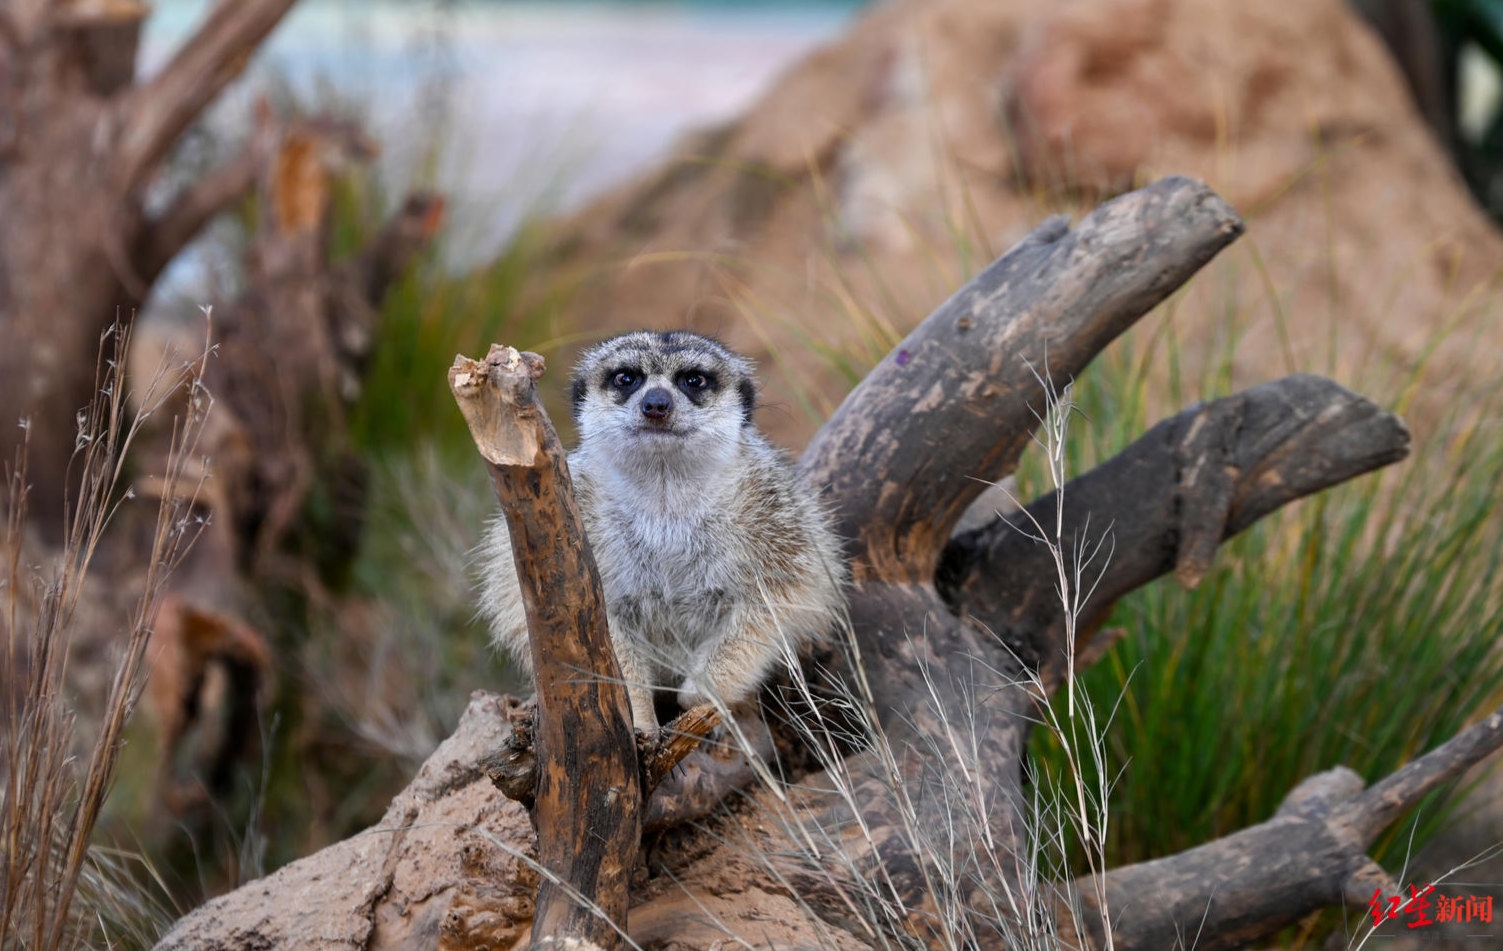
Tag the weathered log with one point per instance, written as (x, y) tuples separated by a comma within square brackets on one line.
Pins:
[(1168, 500), (948, 694), (588, 805), (1309, 856)]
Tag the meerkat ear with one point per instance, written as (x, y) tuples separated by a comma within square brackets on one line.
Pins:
[(577, 390), (748, 400)]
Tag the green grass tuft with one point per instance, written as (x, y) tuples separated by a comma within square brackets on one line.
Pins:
[(1357, 628)]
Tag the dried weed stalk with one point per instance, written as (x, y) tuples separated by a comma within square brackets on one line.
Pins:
[(57, 890)]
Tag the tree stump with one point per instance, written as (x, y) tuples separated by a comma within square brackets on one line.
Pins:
[(80, 145), (958, 634)]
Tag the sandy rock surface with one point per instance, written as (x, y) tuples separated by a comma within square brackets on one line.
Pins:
[(422, 877)]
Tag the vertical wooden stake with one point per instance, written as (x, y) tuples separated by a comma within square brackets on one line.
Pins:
[(588, 810)]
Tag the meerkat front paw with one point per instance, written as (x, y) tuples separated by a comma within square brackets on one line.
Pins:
[(691, 694)]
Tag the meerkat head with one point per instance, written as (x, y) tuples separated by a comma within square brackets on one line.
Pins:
[(653, 393)]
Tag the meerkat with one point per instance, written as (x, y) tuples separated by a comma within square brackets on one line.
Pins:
[(716, 560)]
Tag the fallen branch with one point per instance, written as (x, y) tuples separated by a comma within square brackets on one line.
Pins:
[(1168, 501), (1309, 856)]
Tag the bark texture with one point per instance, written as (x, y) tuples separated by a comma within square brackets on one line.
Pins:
[(80, 144), (959, 639), (588, 796)]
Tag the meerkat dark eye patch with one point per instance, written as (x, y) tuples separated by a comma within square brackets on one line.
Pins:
[(622, 382), (577, 391), (748, 400), (696, 384)]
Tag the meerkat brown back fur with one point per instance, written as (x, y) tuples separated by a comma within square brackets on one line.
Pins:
[(716, 560)]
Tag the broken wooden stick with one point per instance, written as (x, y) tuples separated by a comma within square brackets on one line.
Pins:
[(513, 769), (587, 807)]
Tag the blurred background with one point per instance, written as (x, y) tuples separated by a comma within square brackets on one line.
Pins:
[(356, 191), (517, 110)]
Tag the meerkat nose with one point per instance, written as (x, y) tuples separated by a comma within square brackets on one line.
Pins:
[(656, 403)]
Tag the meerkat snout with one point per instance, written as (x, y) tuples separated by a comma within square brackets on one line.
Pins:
[(657, 403)]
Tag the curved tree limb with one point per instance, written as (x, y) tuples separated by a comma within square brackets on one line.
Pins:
[(953, 406), (1168, 500), (162, 109)]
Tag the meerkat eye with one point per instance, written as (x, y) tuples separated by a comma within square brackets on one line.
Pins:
[(624, 380), (695, 381)]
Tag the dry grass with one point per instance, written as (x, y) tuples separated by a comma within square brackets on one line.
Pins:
[(58, 889), (986, 882)]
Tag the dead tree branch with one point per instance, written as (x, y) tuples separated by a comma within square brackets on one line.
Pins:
[(588, 809), (1168, 500), (1311, 855), (953, 406), (161, 110)]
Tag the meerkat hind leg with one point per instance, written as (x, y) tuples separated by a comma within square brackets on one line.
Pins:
[(636, 673)]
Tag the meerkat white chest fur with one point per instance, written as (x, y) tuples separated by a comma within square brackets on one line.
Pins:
[(716, 561)]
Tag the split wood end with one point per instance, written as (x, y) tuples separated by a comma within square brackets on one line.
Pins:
[(499, 401)]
